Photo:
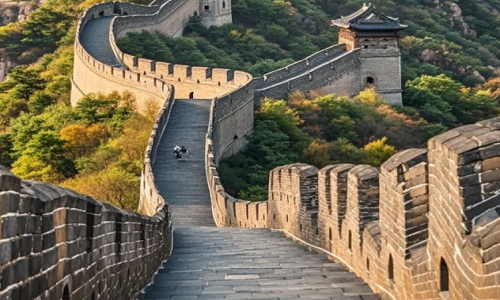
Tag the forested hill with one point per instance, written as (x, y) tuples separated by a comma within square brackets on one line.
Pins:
[(460, 37), (100, 141)]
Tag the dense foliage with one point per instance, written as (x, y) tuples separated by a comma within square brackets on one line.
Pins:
[(461, 41), (447, 54), (96, 148)]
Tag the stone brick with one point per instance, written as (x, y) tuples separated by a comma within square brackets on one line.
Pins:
[(490, 176), (490, 164), (5, 252), (9, 202), (9, 226)]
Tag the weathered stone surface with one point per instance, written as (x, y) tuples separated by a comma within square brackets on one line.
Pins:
[(8, 182)]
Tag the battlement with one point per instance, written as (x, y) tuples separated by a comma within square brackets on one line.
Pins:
[(416, 228), (58, 244)]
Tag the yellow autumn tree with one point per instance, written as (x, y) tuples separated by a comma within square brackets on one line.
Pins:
[(133, 141), (377, 152), (317, 153), (151, 109), (112, 185), (82, 140)]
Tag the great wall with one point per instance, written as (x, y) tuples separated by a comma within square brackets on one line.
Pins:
[(423, 226)]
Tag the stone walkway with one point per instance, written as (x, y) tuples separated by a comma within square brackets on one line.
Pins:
[(230, 263), (183, 182), (237, 263), (95, 39)]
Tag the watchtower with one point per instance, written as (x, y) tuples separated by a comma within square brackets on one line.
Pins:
[(215, 12), (378, 37)]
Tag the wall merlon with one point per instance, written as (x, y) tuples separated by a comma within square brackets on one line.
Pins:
[(9, 182), (201, 73), (182, 72)]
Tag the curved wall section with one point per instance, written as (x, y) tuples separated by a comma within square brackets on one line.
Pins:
[(93, 76), (419, 227), (146, 79), (58, 244)]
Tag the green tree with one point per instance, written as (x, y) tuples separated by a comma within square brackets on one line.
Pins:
[(23, 82), (6, 150), (317, 154), (39, 101)]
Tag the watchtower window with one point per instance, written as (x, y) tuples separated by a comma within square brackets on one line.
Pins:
[(223, 4), (370, 80), (207, 7), (349, 241), (390, 268), (444, 279)]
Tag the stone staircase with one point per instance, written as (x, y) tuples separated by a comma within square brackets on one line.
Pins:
[(237, 263), (221, 263), (229, 263), (183, 182)]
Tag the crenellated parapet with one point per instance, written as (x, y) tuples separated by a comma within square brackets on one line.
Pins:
[(425, 225), (333, 70), (58, 244)]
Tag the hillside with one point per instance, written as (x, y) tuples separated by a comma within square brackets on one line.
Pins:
[(445, 48), (442, 36), (39, 133)]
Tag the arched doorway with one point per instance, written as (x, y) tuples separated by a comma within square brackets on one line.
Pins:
[(370, 80), (191, 95), (66, 295)]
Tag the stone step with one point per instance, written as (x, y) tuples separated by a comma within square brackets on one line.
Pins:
[(237, 263)]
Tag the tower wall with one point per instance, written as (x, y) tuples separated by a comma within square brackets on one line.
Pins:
[(215, 12), (381, 65)]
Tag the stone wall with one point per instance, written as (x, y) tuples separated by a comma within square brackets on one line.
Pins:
[(169, 18), (92, 76), (333, 70), (58, 244), (425, 225), (147, 80)]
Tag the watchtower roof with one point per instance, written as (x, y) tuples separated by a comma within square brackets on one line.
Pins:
[(369, 19)]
